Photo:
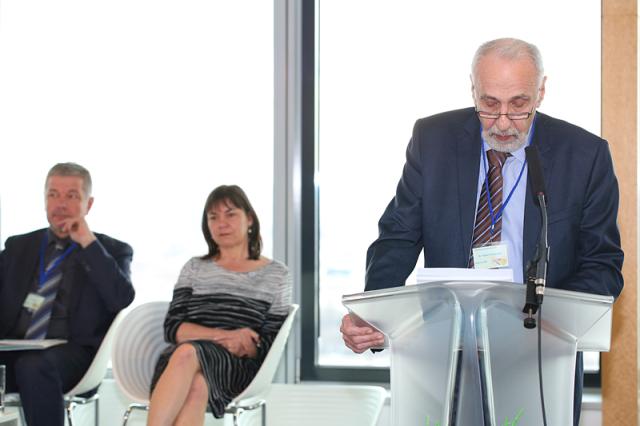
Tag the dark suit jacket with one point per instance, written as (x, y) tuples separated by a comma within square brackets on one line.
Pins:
[(96, 282), (434, 206)]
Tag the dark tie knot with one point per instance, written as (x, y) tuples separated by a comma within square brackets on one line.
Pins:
[(497, 158)]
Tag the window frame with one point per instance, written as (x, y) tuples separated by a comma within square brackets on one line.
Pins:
[(309, 369)]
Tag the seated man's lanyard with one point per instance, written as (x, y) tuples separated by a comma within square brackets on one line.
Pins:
[(46, 273)]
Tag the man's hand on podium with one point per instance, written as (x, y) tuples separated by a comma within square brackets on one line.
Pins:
[(360, 337)]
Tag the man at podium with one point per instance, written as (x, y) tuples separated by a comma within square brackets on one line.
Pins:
[(463, 196)]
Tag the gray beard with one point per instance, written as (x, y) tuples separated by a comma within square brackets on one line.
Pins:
[(519, 142)]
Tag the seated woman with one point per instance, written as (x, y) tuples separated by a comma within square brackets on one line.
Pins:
[(227, 308)]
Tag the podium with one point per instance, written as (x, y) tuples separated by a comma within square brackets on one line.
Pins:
[(461, 356)]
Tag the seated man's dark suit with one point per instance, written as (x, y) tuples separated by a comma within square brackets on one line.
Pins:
[(95, 286), (434, 208)]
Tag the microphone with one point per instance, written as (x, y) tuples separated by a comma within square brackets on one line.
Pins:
[(535, 171), (537, 267)]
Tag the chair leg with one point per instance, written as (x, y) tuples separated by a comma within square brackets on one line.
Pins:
[(130, 408), (237, 410), (125, 418), (70, 407), (96, 419), (70, 404)]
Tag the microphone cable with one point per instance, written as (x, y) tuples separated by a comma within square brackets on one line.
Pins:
[(544, 410)]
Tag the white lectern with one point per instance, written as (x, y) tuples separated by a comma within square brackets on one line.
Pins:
[(460, 354)]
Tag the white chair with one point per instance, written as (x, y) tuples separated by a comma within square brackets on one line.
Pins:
[(135, 352), (321, 405), (253, 396), (91, 379), (140, 342)]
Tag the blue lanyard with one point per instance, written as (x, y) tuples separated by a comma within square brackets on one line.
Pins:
[(498, 215), (46, 274)]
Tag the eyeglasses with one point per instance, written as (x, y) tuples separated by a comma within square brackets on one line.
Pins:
[(510, 115)]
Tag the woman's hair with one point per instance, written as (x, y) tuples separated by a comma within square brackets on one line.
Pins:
[(234, 195)]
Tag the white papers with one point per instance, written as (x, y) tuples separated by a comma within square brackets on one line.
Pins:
[(425, 275), (26, 345)]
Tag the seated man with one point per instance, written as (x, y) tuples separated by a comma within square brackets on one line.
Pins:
[(62, 282)]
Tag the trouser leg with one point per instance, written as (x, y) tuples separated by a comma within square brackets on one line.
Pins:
[(42, 377)]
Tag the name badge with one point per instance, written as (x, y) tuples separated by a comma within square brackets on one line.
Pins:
[(33, 302), (490, 256)]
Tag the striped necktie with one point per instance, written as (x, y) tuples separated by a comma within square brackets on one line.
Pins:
[(48, 290), (483, 231)]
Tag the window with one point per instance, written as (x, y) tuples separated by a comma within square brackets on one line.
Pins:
[(161, 100), (379, 66)]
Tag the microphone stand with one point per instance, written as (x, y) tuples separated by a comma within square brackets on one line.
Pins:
[(537, 270)]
